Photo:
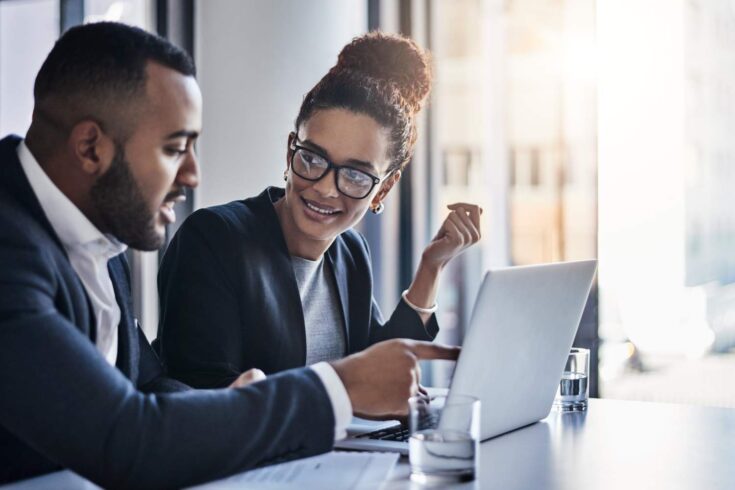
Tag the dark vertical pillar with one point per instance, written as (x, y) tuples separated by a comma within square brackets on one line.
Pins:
[(372, 225), (373, 15), (405, 218), (71, 13), (162, 18), (175, 22), (430, 183), (588, 338)]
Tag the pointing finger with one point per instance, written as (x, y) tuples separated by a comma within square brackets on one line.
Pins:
[(427, 350)]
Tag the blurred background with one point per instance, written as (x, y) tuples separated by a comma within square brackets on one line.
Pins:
[(585, 129)]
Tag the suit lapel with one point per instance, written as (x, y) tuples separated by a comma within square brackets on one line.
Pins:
[(337, 260), (128, 350)]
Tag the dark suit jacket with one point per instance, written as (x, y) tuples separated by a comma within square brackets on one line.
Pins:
[(230, 301), (63, 405)]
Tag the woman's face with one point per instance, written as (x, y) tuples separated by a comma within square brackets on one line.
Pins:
[(318, 209)]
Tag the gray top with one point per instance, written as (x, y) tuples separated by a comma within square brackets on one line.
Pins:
[(325, 336)]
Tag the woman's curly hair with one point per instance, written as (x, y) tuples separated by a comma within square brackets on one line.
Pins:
[(384, 76)]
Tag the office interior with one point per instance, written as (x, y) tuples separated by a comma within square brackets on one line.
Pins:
[(585, 129)]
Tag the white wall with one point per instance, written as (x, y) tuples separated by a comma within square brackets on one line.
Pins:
[(27, 33), (256, 61)]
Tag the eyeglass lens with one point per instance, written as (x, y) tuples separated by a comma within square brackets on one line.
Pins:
[(351, 182)]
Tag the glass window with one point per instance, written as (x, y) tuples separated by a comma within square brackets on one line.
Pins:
[(513, 114), (667, 268)]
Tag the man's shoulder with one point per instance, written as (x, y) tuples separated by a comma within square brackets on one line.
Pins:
[(31, 264)]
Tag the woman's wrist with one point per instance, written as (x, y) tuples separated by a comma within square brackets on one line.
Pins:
[(430, 266), (422, 294), (419, 309)]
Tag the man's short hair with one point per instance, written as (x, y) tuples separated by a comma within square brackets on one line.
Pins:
[(104, 60)]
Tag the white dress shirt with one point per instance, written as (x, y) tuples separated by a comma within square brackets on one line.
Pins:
[(89, 250)]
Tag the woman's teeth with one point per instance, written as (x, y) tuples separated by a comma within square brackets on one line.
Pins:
[(320, 210)]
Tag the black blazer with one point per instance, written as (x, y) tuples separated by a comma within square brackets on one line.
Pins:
[(230, 301), (63, 405)]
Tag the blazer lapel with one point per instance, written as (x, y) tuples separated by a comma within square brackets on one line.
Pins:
[(337, 260), (285, 296), (128, 350)]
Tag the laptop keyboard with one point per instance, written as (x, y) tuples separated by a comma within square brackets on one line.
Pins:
[(400, 433), (397, 433)]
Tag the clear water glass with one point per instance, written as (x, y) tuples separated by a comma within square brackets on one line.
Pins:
[(444, 442), (574, 389)]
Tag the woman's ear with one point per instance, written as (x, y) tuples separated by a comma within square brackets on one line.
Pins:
[(289, 147), (385, 188)]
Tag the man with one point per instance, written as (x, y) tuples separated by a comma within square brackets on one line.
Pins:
[(110, 149)]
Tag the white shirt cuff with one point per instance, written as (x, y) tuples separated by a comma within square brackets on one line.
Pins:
[(341, 405)]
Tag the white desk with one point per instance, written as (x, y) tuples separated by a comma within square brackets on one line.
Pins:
[(615, 444)]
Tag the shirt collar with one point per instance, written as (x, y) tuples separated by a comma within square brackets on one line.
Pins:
[(71, 225)]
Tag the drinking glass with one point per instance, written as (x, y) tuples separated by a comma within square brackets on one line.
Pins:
[(574, 390), (444, 442)]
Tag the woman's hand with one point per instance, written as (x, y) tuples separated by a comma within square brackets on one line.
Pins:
[(460, 230)]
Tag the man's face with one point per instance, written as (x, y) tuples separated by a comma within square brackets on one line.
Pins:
[(135, 197)]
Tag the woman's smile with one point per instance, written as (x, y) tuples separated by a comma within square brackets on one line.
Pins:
[(320, 212)]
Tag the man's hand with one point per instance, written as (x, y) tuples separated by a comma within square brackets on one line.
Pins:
[(249, 376), (381, 379)]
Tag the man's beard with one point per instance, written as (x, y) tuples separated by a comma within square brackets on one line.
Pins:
[(122, 207)]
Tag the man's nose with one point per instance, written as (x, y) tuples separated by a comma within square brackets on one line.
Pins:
[(188, 175)]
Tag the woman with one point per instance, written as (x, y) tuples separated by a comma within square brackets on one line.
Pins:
[(281, 280)]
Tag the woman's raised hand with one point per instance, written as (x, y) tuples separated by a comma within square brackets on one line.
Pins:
[(460, 230)]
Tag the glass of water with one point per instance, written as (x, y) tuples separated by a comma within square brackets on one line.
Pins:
[(444, 443), (574, 388)]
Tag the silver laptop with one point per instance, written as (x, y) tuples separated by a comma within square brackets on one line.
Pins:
[(522, 327)]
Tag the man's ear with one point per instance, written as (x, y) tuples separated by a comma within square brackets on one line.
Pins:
[(91, 147), (385, 188)]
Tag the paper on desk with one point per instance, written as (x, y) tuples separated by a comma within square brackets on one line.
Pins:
[(354, 471)]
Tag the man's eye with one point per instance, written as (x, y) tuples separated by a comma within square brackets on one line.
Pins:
[(175, 151)]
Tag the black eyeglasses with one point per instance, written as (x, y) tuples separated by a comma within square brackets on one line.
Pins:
[(350, 181)]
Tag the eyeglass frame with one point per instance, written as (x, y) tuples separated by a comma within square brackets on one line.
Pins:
[(294, 147)]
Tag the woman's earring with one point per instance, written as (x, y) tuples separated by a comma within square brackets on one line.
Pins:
[(378, 209), (285, 175)]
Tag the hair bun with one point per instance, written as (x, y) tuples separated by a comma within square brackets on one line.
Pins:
[(394, 59)]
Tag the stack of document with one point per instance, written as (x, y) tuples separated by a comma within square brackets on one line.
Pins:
[(344, 470)]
